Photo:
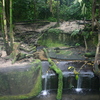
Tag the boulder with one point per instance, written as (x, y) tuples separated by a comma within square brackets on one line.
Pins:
[(20, 82)]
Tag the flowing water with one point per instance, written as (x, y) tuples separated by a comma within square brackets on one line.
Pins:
[(45, 91), (79, 83), (87, 87)]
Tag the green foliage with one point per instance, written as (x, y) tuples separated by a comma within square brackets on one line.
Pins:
[(50, 43), (55, 31), (90, 54), (29, 10), (67, 12), (33, 9), (76, 77), (77, 44), (86, 34), (85, 7), (43, 9), (53, 6), (75, 32), (44, 12), (73, 9), (64, 12), (0, 7), (21, 9), (74, 71), (80, 1), (52, 19)]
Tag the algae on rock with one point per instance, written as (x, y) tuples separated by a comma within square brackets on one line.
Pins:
[(22, 82), (60, 76)]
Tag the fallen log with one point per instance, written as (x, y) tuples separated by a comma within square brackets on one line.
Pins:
[(60, 76)]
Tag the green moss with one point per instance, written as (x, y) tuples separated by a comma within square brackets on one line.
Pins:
[(55, 31), (50, 43), (64, 52), (60, 86), (60, 77), (35, 91), (51, 38), (36, 88), (90, 54)]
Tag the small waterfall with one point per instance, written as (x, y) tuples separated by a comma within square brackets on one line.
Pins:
[(79, 83), (45, 81), (45, 91)]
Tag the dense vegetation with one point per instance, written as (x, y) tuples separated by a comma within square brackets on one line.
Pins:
[(30, 11), (51, 10), (24, 10)]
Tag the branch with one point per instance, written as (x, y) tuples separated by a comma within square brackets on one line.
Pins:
[(60, 76)]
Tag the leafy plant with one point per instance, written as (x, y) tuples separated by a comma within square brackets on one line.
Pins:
[(77, 44), (86, 34), (52, 19), (75, 32), (75, 71), (85, 7)]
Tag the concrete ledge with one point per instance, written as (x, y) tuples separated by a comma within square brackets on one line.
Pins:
[(20, 82)]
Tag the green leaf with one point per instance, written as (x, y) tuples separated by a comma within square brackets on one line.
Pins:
[(70, 67), (91, 33), (76, 77)]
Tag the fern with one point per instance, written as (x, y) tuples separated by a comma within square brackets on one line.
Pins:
[(75, 32)]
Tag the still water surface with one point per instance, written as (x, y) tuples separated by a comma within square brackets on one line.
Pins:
[(70, 95)]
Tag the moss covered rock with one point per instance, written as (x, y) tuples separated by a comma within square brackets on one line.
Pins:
[(20, 82)]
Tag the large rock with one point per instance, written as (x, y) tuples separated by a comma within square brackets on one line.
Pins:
[(20, 82)]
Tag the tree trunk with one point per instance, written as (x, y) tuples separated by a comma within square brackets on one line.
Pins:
[(97, 55), (7, 11), (93, 13), (57, 12), (11, 27), (4, 29), (86, 47), (50, 5), (0, 13)]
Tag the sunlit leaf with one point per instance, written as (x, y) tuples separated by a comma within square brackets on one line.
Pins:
[(70, 67), (79, 1), (76, 77)]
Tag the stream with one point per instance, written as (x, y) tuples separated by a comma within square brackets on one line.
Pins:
[(85, 88)]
